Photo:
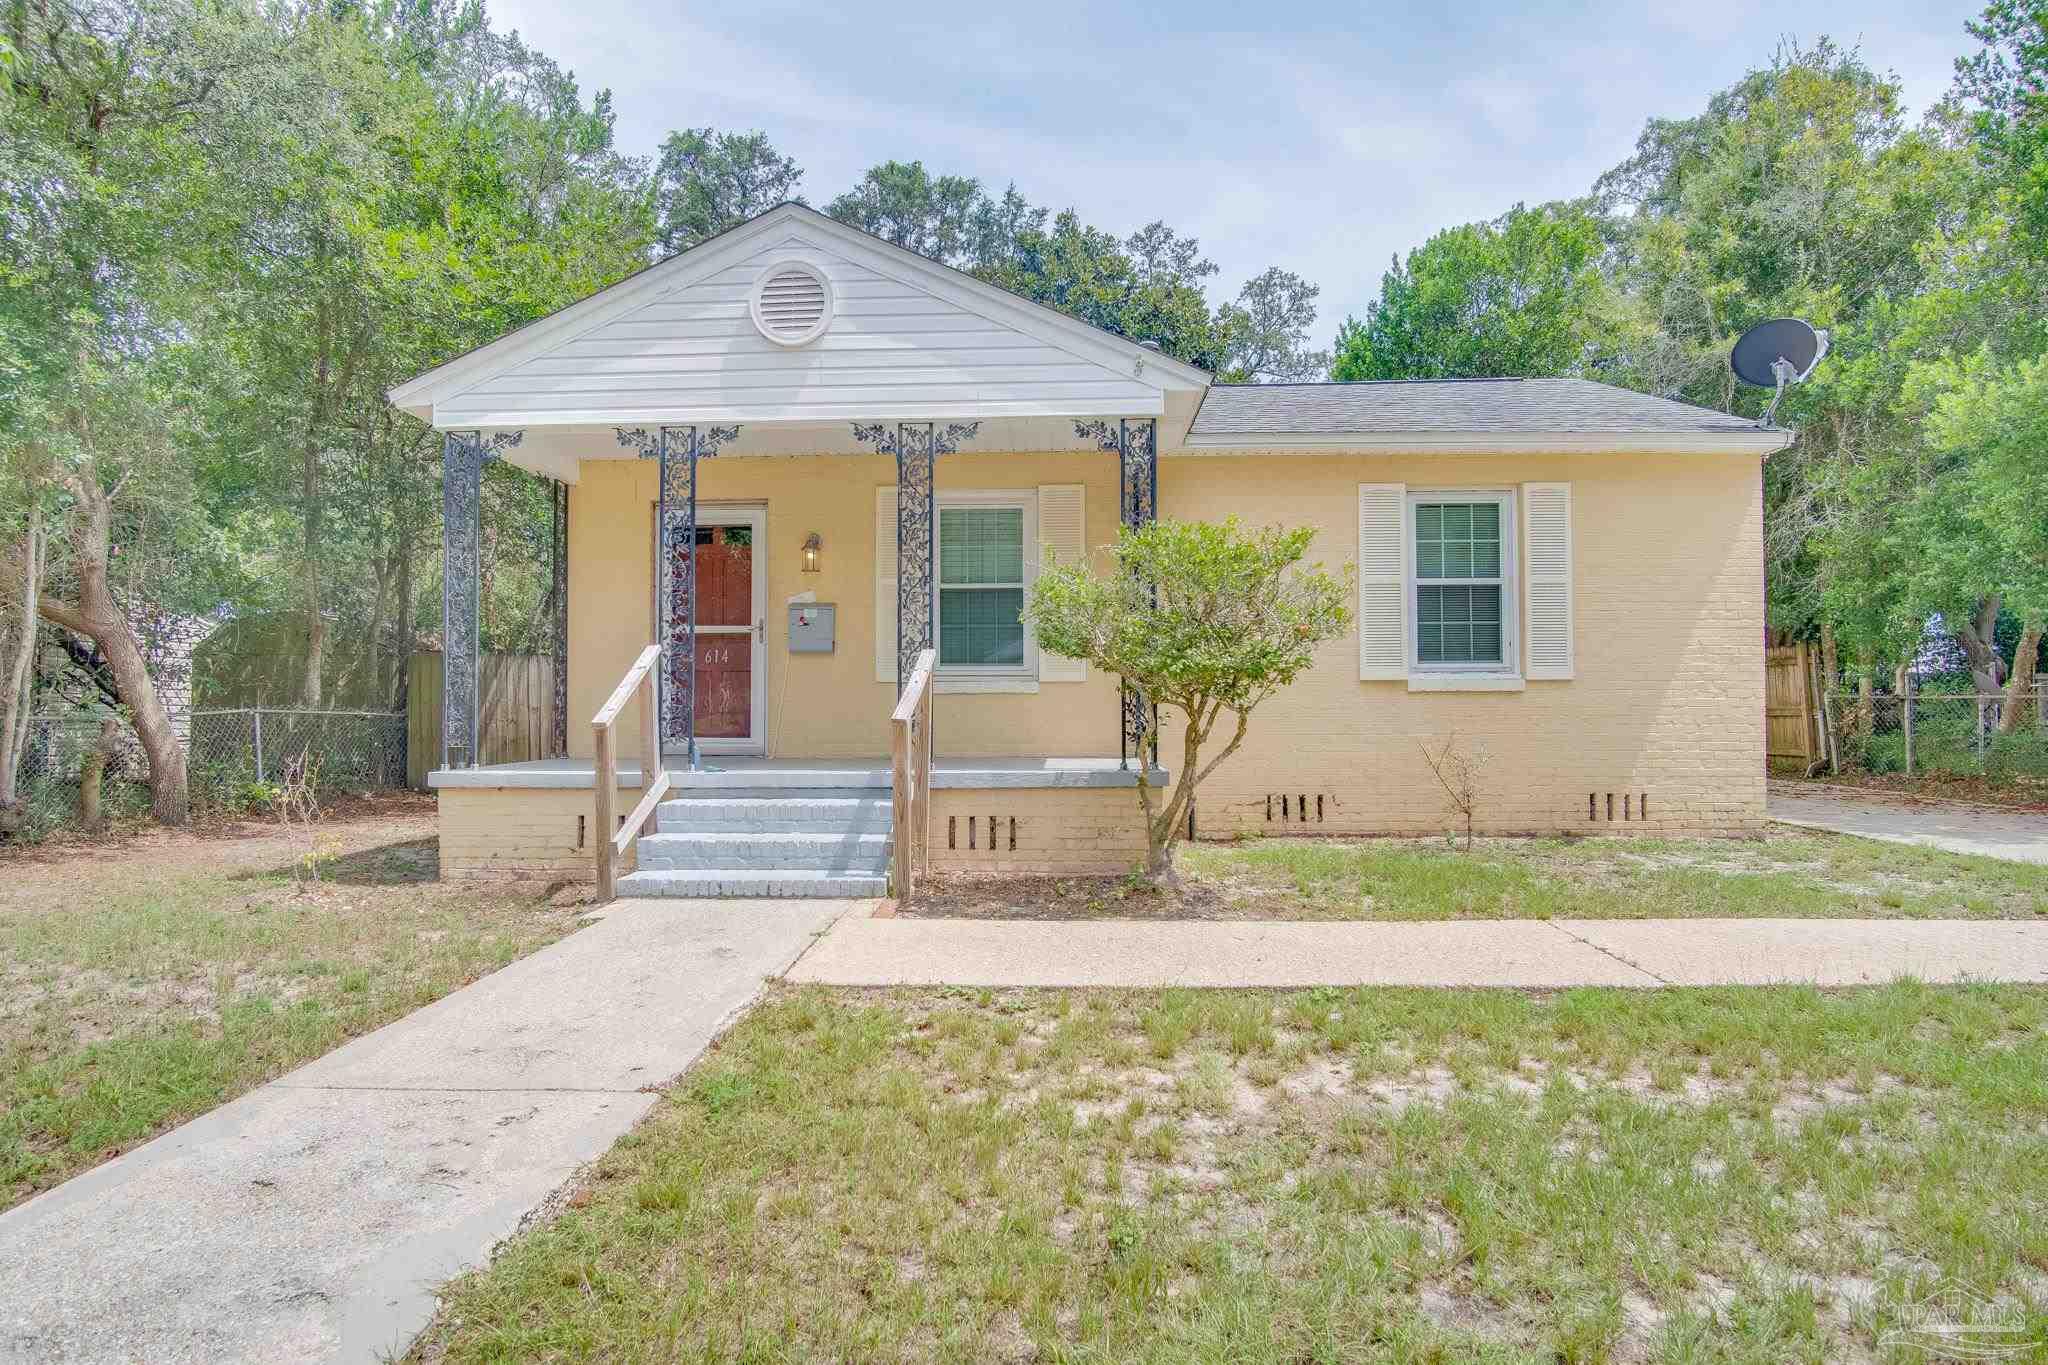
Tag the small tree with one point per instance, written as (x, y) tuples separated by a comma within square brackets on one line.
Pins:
[(1236, 618), (1461, 772)]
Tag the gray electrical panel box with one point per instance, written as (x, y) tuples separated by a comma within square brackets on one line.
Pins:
[(811, 627)]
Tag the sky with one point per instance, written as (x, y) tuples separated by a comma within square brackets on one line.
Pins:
[(1323, 137)]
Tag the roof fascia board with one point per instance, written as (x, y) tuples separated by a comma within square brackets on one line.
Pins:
[(1490, 442)]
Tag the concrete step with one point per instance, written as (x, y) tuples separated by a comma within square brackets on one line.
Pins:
[(791, 813), (752, 882), (834, 852)]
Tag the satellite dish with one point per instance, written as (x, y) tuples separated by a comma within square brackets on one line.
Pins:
[(1774, 354)]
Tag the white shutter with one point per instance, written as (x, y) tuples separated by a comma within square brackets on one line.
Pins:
[(1547, 586), (885, 584), (1063, 539), (1382, 591)]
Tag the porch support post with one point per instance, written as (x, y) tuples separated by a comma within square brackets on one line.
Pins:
[(677, 450), (463, 456), (1135, 443), (1138, 500), (916, 582), (917, 447), (558, 542)]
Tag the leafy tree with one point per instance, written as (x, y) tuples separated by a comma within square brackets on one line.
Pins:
[(706, 181), (944, 217), (1987, 431), (1202, 619), (1522, 295), (1149, 286), (116, 116), (1266, 330)]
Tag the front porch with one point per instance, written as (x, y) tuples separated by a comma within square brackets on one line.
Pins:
[(792, 826), (742, 772)]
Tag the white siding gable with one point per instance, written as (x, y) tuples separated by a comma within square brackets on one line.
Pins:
[(897, 346)]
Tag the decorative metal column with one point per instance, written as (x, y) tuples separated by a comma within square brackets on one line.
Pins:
[(916, 446), (678, 449), (558, 543), (1135, 443), (463, 456)]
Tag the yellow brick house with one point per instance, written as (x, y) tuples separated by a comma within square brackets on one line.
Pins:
[(804, 480)]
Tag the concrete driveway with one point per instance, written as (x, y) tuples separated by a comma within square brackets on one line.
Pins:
[(1992, 831), (312, 1219)]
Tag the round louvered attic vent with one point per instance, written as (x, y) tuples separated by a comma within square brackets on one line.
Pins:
[(793, 303)]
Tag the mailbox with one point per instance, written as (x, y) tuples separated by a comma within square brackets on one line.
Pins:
[(811, 627)]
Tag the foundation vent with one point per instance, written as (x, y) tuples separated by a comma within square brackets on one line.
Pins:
[(982, 833), (1618, 807), (1298, 807)]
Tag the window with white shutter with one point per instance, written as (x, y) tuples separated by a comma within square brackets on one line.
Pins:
[(1460, 596), (1547, 533)]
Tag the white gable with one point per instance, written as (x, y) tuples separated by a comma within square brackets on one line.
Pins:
[(906, 339)]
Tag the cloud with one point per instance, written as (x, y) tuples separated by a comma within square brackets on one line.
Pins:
[(1323, 139)]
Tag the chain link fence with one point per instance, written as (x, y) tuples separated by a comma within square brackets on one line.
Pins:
[(1959, 733), (233, 758)]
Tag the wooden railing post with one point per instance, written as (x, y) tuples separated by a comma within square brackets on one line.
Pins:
[(899, 810), (607, 776), (613, 839), (910, 777), (650, 737)]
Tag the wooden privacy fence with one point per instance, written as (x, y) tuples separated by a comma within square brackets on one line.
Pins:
[(516, 711), (1792, 721)]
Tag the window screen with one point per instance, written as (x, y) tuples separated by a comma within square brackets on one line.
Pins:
[(981, 587), (1458, 583)]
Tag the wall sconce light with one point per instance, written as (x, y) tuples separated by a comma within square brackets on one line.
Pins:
[(813, 549)]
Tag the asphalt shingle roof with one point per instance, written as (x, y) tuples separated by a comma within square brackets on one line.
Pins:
[(1407, 407)]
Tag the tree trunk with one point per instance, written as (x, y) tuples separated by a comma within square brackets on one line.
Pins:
[(17, 674), (92, 774), (1866, 693), (1976, 634), (406, 642), (2021, 684), (95, 616)]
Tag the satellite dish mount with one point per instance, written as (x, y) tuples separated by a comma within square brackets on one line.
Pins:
[(1775, 355)]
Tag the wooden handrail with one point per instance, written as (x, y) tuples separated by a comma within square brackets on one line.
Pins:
[(614, 843), (910, 762)]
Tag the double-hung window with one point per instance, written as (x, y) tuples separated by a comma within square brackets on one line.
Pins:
[(983, 572), (1461, 574)]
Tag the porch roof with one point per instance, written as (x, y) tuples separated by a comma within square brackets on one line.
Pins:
[(700, 338)]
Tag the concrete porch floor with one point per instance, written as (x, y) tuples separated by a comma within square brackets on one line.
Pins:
[(742, 771)]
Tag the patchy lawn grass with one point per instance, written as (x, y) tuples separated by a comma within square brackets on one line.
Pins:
[(1702, 1175), (147, 981), (1786, 874)]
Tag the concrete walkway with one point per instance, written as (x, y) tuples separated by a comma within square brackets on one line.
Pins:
[(313, 1218), (863, 951), (1955, 826)]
